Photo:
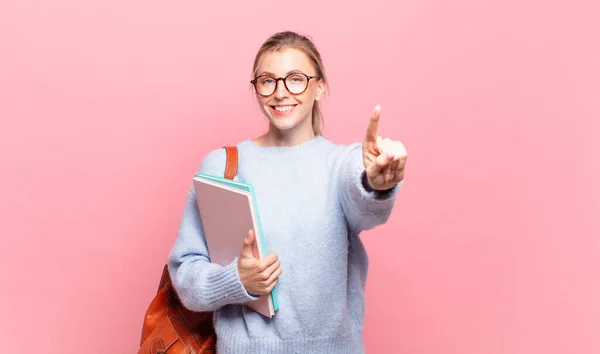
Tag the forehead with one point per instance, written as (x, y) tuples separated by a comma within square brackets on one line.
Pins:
[(282, 62)]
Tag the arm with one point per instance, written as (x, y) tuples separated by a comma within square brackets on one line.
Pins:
[(201, 285), (364, 207), (370, 176)]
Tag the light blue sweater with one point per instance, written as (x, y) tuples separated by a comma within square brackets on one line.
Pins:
[(313, 205)]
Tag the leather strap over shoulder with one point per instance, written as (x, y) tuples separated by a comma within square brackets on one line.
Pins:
[(232, 162)]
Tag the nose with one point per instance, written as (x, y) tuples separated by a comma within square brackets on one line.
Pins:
[(280, 91)]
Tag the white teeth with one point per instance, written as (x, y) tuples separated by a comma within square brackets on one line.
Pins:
[(283, 108)]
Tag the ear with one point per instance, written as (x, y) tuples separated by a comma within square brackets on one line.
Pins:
[(320, 89)]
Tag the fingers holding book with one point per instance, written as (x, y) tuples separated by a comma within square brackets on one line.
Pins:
[(259, 276)]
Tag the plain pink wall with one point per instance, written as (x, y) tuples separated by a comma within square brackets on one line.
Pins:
[(107, 108)]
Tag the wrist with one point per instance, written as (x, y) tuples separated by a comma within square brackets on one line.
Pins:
[(365, 182), (369, 187)]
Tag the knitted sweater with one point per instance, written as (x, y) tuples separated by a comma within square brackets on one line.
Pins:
[(313, 205)]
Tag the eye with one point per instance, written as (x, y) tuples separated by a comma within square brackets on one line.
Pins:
[(297, 78)]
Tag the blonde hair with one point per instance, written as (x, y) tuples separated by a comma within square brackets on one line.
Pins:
[(288, 39)]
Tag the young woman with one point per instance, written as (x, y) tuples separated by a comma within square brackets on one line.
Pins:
[(315, 197)]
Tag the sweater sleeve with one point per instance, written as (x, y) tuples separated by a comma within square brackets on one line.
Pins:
[(200, 284), (364, 208)]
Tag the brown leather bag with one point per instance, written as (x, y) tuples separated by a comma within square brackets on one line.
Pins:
[(168, 326)]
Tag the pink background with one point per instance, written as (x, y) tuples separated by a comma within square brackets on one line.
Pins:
[(107, 108)]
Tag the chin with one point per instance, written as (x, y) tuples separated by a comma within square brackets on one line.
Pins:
[(284, 120), (284, 124)]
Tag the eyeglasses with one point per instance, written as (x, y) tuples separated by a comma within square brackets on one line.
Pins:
[(295, 83)]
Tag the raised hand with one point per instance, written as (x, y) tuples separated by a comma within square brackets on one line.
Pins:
[(258, 276), (384, 159)]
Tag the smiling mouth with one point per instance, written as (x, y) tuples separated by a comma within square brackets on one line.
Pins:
[(283, 109)]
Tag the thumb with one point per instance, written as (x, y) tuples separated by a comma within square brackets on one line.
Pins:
[(248, 246), (381, 162)]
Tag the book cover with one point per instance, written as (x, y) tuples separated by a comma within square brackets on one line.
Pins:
[(228, 210)]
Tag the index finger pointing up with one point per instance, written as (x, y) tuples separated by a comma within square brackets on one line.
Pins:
[(373, 125)]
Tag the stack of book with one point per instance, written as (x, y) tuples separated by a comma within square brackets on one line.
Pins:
[(228, 210)]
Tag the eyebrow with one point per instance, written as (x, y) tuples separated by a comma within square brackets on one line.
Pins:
[(289, 72)]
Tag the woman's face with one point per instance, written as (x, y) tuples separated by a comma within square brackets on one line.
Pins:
[(285, 110)]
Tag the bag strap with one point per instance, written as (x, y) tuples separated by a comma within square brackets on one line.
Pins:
[(232, 162)]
